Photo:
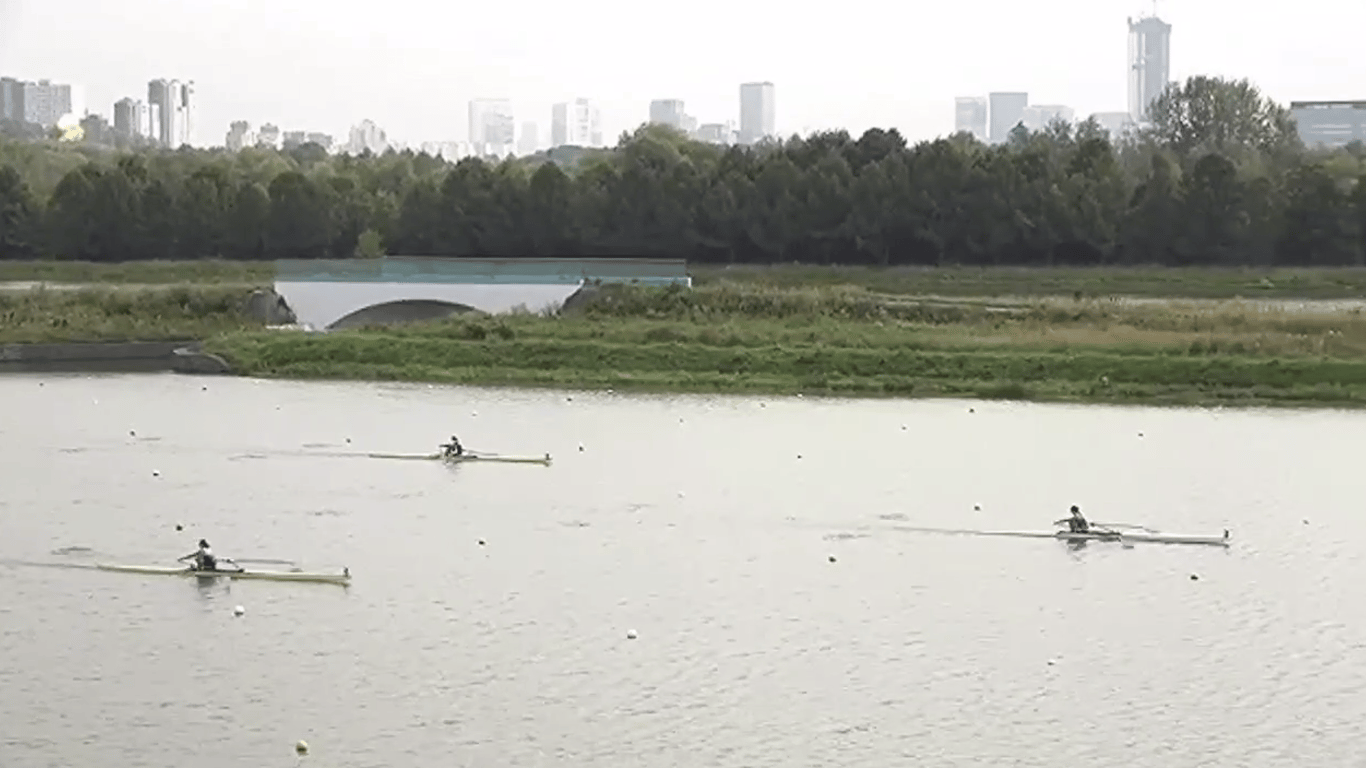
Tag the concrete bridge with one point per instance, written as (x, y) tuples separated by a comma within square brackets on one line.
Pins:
[(332, 294)]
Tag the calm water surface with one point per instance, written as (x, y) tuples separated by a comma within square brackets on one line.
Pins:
[(704, 524)]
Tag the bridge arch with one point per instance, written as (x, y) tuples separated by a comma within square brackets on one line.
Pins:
[(336, 294), (403, 311)]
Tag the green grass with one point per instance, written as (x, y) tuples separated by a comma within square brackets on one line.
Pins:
[(141, 272), (739, 336), (1089, 282), (106, 313), (728, 338)]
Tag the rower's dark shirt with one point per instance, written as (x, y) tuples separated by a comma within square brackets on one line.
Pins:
[(1079, 525)]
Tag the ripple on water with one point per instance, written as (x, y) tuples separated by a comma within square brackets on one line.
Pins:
[(751, 648)]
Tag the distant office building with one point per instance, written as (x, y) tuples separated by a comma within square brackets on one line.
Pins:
[(1330, 123), (175, 112), (367, 136), (268, 137), (1117, 124), (1039, 116), (492, 130), (576, 123), (46, 102), (1007, 112), (11, 99), (1149, 64), (239, 136), (450, 151), (131, 119), (96, 130), (758, 112), (668, 112), (529, 140), (716, 133), (970, 116)]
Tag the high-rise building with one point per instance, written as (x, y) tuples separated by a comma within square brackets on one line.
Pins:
[(576, 123), (239, 136), (11, 100), (1150, 54), (174, 104), (716, 133), (970, 116), (1117, 124), (668, 112), (530, 140), (758, 112), (268, 136), (1330, 123), (1007, 112), (492, 128), (130, 118), (46, 102), (1039, 116), (367, 136)]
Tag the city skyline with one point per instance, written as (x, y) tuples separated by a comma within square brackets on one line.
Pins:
[(1063, 52)]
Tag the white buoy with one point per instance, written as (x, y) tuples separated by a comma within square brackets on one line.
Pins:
[(474, 413), (680, 494), (580, 447), (631, 634), (976, 507), (156, 473), (238, 611), (903, 427), (301, 747)]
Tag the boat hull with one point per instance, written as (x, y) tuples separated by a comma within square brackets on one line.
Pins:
[(1150, 538), (466, 458), (320, 578)]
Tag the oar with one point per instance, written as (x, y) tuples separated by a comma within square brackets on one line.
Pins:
[(259, 561)]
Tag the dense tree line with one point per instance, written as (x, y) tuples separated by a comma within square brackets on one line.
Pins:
[(1220, 178)]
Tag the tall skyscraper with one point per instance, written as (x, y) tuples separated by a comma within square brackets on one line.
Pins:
[(367, 136), (576, 123), (46, 102), (1039, 116), (758, 112), (11, 100), (239, 136), (668, 112), (970, 116), (130, 118), (530, 139), (1007, 111), (174, 105), (492, 129), (1150, 53)]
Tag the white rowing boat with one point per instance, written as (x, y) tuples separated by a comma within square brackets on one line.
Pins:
[(1094, 535), (493, 457), (343, 578)]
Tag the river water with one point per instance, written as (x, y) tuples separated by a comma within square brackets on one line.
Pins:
[(489, 616)]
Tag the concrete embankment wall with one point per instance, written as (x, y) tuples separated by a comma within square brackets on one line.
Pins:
[(181, 356)]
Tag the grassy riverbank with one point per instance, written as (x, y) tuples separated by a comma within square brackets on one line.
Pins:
[(740, 338), (199, 272), (113, 313), (999, 282)]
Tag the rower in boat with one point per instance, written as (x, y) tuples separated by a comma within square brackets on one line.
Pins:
[(1076, 523), (204, 559), (453, 448)]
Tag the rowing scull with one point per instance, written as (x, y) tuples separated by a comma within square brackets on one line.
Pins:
[(343, 578), (1107, 536)]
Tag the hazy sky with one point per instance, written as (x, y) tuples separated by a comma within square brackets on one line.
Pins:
[(412, 66)]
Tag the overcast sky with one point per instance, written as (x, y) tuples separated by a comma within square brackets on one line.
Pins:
[(412, 66)]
